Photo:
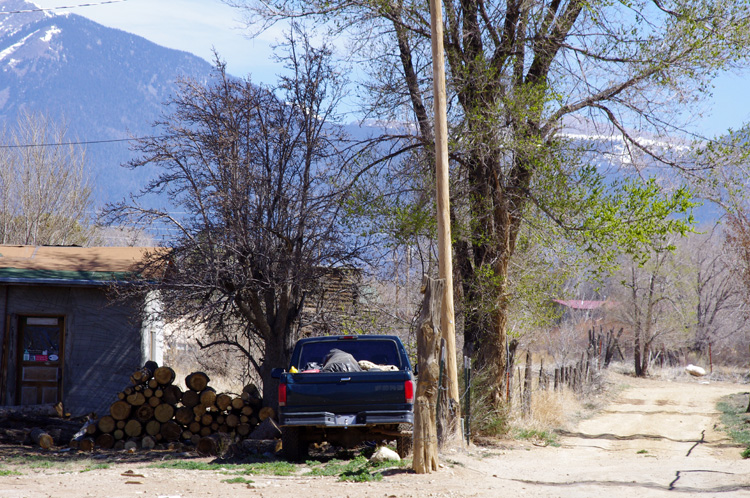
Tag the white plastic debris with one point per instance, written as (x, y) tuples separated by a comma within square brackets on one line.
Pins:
[(384, 454), (695, 371)]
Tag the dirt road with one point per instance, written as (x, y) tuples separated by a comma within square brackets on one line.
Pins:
[(654, 438)]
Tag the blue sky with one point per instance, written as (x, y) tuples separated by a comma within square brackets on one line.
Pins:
[(197, 26)]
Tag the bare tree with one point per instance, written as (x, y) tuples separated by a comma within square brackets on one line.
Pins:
[(45, 193), (262, 177), (649, 304), (718, 314)]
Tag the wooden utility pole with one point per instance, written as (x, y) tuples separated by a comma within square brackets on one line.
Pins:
[(445, 253)]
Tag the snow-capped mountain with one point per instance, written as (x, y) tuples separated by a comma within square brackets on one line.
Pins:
[(105, 83)]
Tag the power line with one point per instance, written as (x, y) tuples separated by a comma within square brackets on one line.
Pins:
[(84, 142), (25, 11)]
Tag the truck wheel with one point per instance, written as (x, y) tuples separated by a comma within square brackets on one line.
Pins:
[(292, 445), (404, 445)]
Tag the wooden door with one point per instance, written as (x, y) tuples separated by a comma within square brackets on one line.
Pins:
[(40, 348)]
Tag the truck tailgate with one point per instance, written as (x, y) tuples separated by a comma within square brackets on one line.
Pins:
[(346, 392)]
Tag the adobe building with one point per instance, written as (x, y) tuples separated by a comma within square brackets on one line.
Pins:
[(61, 336)]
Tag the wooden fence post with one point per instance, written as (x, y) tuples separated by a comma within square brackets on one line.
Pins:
[(428, 341)]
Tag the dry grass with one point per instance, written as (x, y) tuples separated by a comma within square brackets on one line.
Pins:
[(550, 410)]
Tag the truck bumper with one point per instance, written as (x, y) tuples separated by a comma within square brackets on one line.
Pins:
[(362, 419)]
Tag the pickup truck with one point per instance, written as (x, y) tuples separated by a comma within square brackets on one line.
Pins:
[(346, 390)]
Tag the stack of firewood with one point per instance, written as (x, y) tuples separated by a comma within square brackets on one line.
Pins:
[(153, 410)]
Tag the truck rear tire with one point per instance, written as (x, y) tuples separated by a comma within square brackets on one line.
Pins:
[(404, 445), (292, 444)]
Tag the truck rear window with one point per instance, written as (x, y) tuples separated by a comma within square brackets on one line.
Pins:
[(380, 352)]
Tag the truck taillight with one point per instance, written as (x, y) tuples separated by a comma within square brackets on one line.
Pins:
[(282, 394), (409, 391)]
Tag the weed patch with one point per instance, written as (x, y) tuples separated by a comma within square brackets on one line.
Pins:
[(357, 470), (9, 472), (735, 420)]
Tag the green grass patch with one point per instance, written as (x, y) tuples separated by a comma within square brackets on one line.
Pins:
[(238, 480), (734, 419), (359, 469), (278, 468), (9, 472), (641, 452), (545, 437), (96, 466)]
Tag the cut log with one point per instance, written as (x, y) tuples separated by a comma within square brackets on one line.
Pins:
[(159, 393), (247, 410), (133, 428), (154, 401), (164, 412), (106, 424), (170, 431), (105, 441), (208, 396), (184, 415), (144, 413), (148, 443), (207, 419), (205, 431), (252, 392), (195, 438), (120, 410), (46, 410), (119, 445), (172, 394), (190, 398), (153, 427), (118, 434), (266, 430), (164, 375), (141, 376), (237, 403), (90, 429), (223, 401), (86, 444), (120, 424), (148, 392), (214, 445), (266, 412), (243, 429), (153, 383), (136, 399), (194, 427), (197, 381), (41, 438), (232, 420), (131, 445)]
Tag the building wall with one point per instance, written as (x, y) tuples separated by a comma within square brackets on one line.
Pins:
[(103, 342)]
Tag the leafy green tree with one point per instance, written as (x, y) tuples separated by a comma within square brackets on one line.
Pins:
[(524, 78)]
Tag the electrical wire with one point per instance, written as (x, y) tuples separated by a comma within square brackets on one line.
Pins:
[(83, 142), (43, 9)]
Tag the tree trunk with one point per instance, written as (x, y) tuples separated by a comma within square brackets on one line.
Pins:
[(428, 340)]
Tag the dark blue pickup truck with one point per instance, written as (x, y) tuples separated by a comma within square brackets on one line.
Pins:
[(346, 390)]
